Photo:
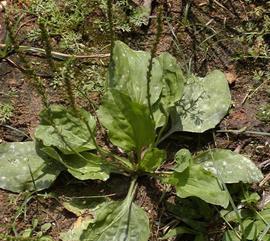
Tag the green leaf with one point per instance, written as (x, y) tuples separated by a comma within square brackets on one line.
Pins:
[(197, 213), (114, 220), (121, 221), (205, 102), (195, 181), (18, 160), (129, 72), (69, 133), (232, 216), (81, 206), (172, 87), (45, 227), (129, 124), (152, 160), (178, 231), (251, 198), (86, 166), (45, 238), (230, 235), (141, 14), (183, 159), (255, 224), (229, 166), (252, 229), (27, 233), (265, 214)]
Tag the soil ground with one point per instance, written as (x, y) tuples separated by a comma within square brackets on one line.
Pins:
[(216, 54)]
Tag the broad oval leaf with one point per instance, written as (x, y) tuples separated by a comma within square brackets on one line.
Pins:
[(152, 160), (22, 168), (183, 159), (231, 167), (197, 182), (86, 166), (205, 102), (118, 221), (129, 71), (69, 131), (128, 123)]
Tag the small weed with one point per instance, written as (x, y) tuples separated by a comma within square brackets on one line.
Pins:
[(92, 79), (37, 231), (66, 22), (6, 112), (127, 17), (255, 32), (258, 76), (58, 79), (264, 113), (62, 21)]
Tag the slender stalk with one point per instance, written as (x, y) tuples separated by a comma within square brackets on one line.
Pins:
[(237, 132), (112, 38), (132, 189), (110, 19), (171, 131), (163, 127), (55, 55), (27, 70), (69, 87), (150, 66), (17, 130), (47, 45)]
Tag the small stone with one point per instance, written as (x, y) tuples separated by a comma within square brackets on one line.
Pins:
[(231, 77), (3, 5)]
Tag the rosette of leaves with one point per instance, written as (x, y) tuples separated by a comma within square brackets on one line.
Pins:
[(68, 138)]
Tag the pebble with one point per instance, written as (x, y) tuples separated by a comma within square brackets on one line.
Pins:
[(3, 5)]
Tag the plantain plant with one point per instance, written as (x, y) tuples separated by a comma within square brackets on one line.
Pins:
[(65, 140)]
